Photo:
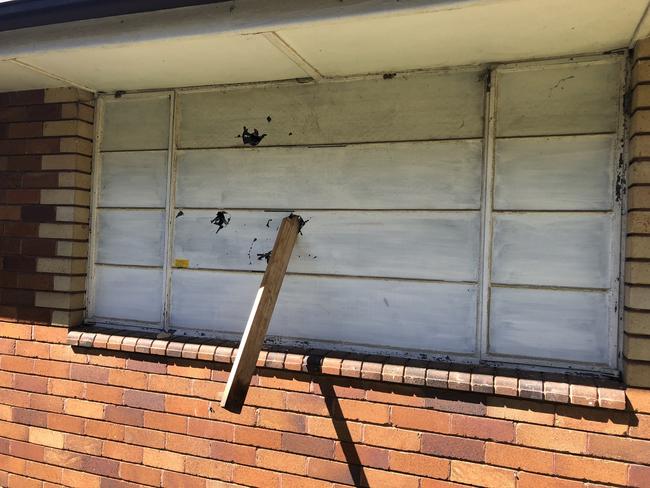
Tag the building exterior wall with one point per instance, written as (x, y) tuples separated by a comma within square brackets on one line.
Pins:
[(101, 418)]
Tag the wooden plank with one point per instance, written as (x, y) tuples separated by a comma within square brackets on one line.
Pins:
[(414, 106), (130, 237), (422, 175), (553, 249), (260, 316), (398, 244), (377, 315), (133, 179), (554, 173), (136, 122), (573, 98), (128, 293), (550, 324)]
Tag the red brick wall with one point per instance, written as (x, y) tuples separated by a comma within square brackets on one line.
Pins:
[(124, 419), (98, 418)]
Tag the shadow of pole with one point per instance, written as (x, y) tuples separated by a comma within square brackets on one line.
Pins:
[(357, 474)]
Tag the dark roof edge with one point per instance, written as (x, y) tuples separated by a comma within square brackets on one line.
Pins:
[(19, 14)]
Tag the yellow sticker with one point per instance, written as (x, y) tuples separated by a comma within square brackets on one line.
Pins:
[(181, 263)]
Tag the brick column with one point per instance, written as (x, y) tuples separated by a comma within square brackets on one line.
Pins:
[(45, 159), (637, 266)]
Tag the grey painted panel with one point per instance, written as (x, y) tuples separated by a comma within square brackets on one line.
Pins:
[(128, 293), (130, 237), (429, 245), (425, 175), (133, 179), (550, 324), (554, 173), (576, 98), (408, 107), (552, 249), (135, 123), (382, 313)]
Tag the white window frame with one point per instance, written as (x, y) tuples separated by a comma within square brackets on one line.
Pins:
[(481, 355)]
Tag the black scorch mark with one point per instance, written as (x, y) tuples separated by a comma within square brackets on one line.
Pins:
[(264, 255), (268, 222), (180, 214), (389, 76), (252, 138), (301, 222), (268, 118), (221, 220)]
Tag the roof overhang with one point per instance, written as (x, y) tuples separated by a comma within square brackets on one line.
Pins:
[(261, 40)]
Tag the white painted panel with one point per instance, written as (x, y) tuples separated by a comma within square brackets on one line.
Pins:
[(554, 173), (574, 98), (133, 179), (420, 175), (135, 123), (382, 313), (128, 293), (428, 245), (130, 237), (552, 249), (549, 324), (407, 107)]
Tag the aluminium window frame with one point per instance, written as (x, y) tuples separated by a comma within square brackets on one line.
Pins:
[(481, 354)]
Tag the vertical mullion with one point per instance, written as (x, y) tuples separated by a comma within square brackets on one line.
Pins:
[(94, 197), (619, 233), (170, 202), (486, 223)]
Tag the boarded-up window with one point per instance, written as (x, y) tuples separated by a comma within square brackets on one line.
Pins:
[(445, 218)]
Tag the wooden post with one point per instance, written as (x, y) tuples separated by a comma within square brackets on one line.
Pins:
[(258, 322)]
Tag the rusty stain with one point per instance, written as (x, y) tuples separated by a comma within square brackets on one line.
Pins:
[(252, 138), (221, 220)]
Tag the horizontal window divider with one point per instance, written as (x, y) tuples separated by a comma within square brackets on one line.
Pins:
[(302, 209), (549, 287), (326, 145), (106, 151), (577, 212), (135, 266), (341, 276), (569, 134), (131, 208)]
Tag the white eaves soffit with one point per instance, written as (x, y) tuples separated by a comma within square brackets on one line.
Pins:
[(254, 40)]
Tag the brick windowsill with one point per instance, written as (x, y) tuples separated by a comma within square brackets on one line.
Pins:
[(552, 387)]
